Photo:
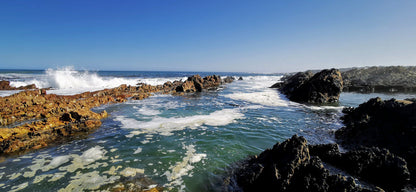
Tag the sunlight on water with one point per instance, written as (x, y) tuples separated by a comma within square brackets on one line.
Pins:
[(181, 143)]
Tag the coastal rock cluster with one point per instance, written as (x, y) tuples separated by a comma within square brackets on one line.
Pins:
[(35, 119), (293, 165), (323, 87), (379, 136), (386, 124)]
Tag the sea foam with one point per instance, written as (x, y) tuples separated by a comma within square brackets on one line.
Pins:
[(165, 126)]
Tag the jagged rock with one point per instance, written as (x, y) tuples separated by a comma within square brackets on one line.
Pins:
[(376, 166), (53, 118), (323, 87), (212, 81), (288, 166), (197, 84), (228, 79), (240, 78), (386, 124)]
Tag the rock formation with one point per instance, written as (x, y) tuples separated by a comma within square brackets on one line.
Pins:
[(380, 79), (290, 166), (323, 87), (385, 124), (374, 165), (34, 119)]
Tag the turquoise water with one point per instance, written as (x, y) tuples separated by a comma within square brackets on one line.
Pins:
[(182, 143)]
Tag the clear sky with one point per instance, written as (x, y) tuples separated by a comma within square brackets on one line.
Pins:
[(211, 35)]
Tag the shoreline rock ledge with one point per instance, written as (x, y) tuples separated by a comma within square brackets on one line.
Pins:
[(323, 87), (31, 120)]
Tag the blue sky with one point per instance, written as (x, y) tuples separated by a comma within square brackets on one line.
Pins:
[(214, 35)]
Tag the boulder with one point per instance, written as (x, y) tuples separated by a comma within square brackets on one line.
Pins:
[(374, 165), (323, 87), (288, 166), (228, 79), (212, 81), (381, 123)]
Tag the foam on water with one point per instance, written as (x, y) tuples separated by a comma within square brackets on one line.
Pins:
[(255, 89), (267, 97), (165, 126), (183, 168)]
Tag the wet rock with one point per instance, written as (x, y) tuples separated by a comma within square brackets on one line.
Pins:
[(381, 123), (288, 166), (323, 87), (240, 78), (374, 165), (197, 84), (228, 79), (37, 119)]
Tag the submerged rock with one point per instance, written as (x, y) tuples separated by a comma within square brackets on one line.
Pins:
[(288, 166), (323, 87)]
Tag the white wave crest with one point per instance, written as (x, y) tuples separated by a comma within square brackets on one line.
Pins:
[(68, 81)]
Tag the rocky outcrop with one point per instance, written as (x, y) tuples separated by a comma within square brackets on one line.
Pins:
[(5, 85), (197, 84), (323, 87), (374, 165), (228, 79), (385, 124), (290, 166), (35, 119), (380, 79)]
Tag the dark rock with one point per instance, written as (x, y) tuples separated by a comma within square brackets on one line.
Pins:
[(197, 84), (389, 124), (323, 87), (240, 78), (288, 166), (228, 79), (380, 79), (374, 165)]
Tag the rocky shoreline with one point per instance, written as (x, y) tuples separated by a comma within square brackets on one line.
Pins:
[(33, 119), (380, 79), (379, 136)]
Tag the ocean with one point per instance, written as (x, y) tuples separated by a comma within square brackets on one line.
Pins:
[(181, 143)]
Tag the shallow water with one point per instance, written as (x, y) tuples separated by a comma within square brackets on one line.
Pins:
[(182, 143)]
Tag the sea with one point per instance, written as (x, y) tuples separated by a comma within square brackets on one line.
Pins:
[(180, 143)]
